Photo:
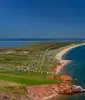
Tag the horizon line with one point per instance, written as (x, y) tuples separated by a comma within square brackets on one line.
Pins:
[(39, 39)]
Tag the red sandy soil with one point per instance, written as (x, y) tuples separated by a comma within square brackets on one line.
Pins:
[(57, 68), (63, 77), (65, 88), (40, 91), (54, 69)]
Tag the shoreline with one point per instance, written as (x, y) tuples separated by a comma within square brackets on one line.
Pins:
[(58, 68), (64, 62), (60, 54)]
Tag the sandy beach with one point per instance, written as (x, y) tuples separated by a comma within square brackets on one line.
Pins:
[(59, 55), (64, 62)]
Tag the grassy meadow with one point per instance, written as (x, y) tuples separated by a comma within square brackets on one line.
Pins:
[(15, 63)]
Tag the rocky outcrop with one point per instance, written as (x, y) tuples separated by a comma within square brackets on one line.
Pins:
[(61, 77), (39, 92), (65, 88)]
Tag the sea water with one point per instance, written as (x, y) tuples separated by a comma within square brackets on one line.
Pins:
[(6, 44), (75, 69)]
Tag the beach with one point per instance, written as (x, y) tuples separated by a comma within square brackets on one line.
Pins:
[(59, 55), (64, 62), (51, 93), (61, 65)]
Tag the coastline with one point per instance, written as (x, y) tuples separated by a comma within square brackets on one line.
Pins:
[(58, 68), (64, 62), (59, 55), (61, 65)]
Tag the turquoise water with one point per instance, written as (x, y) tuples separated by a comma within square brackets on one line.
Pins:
[(76, 69)]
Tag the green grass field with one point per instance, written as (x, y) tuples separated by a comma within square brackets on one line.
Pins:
[(35, 53), (25, 78)]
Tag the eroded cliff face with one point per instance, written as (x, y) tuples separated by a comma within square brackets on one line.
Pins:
[(41, 91), (38, 92), (65, 88), (63, 78)]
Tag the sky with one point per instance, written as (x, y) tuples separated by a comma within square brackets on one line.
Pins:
[(42, 18)]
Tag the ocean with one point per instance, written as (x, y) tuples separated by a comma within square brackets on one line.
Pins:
[(75, 69)]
